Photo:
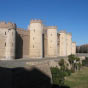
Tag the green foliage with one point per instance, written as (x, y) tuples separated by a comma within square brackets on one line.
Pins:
[(79, 65), (58, 75), (62, 66), (71, 59), (61, 62), (68, 72), (86, 58), (85, 62), (75, 62), (77, 59)]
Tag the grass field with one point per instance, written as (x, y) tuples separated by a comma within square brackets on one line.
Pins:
[(78, 79)]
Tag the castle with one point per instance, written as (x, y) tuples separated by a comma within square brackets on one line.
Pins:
[(38, 41)]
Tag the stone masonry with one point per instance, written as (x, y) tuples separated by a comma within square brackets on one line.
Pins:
[(38, 41), (7, 40)]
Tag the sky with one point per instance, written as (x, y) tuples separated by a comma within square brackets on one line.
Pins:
[(69, 15)]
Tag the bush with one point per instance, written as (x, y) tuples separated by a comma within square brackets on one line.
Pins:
[(75, 62), (86, 58), (84, 63), (58, 76), (68, 72)]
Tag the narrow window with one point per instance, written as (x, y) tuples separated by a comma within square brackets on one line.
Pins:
[(34, 30), (33, 46), (51, 34), (5, 33), (5, 43), (33, 38), (12, 44)]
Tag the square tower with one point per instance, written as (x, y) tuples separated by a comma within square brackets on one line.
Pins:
[(74, 48), (68, 43), (35, 39), (51, 42), (62, 43)]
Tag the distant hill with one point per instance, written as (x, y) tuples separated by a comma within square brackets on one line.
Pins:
[(82, 48)]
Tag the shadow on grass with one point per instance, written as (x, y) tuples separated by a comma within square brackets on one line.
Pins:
[(25, 78), (57, 86)]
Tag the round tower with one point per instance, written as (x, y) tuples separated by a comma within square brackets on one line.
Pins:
[(11, 41), (51, 41), (35, 40)]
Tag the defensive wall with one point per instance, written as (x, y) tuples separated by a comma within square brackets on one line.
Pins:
[(38, 41)]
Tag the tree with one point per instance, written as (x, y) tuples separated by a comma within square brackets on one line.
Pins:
[(74, 61)]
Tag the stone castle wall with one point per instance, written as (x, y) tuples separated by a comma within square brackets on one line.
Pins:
[(2, 43), (7, 40), (62, 43), (51, 41), (35, 39), (45, 42), (68, 43), (22, 43), (36, 42), (74, 48)]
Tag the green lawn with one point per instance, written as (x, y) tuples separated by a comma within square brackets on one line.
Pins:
[(78, 79)]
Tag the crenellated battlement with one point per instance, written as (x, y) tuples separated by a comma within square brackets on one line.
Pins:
[(22, 31), (62, 31), (74, 42), (7, 25), (69, 33), (35, 21), (37, 41), (51, 27)]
